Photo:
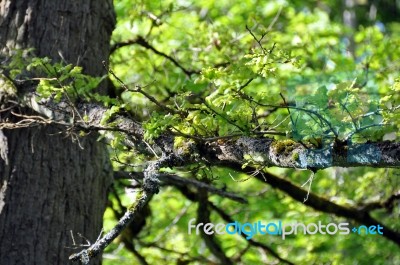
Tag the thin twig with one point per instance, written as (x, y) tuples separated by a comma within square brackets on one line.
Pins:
[(142, 42), (139, 89), (309, 181)]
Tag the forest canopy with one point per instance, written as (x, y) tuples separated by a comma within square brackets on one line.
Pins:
[(237, 111)]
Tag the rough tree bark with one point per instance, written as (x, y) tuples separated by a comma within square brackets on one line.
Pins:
[(50, 184)]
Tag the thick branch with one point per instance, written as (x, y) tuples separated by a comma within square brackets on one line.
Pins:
[(259, 151), (287, 153), (322, 204)]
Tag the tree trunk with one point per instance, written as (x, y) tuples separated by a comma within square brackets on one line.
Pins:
[(51, 184)]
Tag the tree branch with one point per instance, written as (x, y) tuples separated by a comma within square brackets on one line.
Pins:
[(267, 152), (322, 204), (142, 42), (263, 151), (227, 218), (194, 197), (177, 181), (150, 187), (203, 216)]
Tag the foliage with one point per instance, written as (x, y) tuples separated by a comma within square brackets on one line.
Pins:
[(55, 80), (306, 55), (255, 67)]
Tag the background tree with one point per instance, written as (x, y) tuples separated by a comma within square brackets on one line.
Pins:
[(238, 111), (50, 184)]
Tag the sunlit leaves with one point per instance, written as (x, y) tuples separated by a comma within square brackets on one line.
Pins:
[(58, 80), (310, 77), (158, 124)]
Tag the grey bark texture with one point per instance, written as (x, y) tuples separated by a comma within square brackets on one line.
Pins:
[(51, 184)]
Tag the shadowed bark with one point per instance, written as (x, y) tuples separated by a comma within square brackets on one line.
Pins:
[(52, 185)]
